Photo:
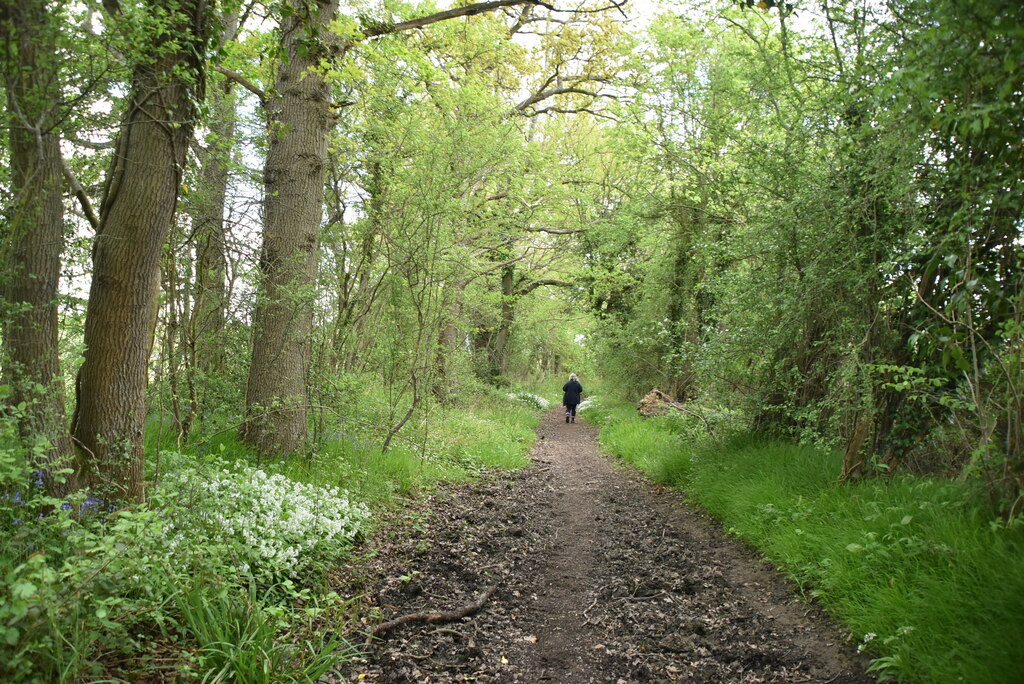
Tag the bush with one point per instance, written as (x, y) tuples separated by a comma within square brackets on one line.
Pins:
[(84, 585), (534, 400), (275, 525)]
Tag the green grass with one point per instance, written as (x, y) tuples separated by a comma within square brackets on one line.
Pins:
[(920, 571), (456, 447), (238, 640), (658, 453), (378, 478), (453, 445)]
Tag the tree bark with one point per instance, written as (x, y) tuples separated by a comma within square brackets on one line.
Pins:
[(294, 176), (140, 198), (33, 238), (448, 344), (209, 311), (501, 339)]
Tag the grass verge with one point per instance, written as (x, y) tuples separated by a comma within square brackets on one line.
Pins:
[(919, 569)]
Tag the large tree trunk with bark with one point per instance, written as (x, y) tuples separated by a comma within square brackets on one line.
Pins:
[(294, 177), (140, 198), (209, 309), (33, 237)]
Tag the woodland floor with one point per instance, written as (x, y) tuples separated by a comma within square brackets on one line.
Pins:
[(600, 576)]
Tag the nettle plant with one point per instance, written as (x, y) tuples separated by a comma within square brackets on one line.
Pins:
[(278, 528)]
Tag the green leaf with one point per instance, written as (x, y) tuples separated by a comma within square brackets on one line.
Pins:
[(854, 548), (906, 520), (24, 590)]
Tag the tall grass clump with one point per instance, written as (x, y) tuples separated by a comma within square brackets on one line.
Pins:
[(380, 478), (660, 446), (657, 452), (497, 435)]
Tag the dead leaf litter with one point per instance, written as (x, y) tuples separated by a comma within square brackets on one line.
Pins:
[(591, 574)]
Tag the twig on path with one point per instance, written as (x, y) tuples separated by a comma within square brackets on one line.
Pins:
[(587, 621), (445, 630), (643, 598), (447, 616)]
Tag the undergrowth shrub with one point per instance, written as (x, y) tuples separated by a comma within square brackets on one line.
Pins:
[(534, 400), (274, 525), (86, 586)]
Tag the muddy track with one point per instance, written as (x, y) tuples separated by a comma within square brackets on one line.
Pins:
[(599, 576)]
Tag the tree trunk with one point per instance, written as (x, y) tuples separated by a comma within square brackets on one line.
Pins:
[(448, 343), (210, 300), (208, 317), (140, 198), (853, 456), (499, 364), (294, 178), (33, 238)]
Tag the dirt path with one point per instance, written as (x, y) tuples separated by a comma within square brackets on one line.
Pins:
[(600, 576)]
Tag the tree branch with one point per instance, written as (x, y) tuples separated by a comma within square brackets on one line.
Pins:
[(534, 284), (79, 192), (245, 83), (446, 616), (555, 231), (563, 110), (545, 94), (89, 144), (467, 11)]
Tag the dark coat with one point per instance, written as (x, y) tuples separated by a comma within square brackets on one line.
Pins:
[(573, 391)]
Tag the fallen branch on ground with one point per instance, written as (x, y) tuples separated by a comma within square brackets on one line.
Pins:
[(448, 616)]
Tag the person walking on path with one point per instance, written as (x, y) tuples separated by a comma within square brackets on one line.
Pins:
[(573, 391)]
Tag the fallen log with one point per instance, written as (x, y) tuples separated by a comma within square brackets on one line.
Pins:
[(447, 616)]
